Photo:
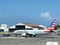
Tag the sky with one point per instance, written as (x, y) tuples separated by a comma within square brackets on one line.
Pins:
[(39, 12)]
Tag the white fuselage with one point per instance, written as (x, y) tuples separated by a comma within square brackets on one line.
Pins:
[(34, 32)]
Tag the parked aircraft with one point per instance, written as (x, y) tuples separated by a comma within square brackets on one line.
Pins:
[(31, 33)]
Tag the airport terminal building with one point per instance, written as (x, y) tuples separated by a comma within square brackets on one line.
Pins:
[(4, 28), (25, 26)]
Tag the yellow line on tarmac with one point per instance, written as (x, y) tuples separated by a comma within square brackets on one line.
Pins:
[(5, 32)]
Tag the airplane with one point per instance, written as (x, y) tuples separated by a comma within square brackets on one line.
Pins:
[(33, 33)]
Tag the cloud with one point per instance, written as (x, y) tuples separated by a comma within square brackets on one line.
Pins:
[(46, 15)]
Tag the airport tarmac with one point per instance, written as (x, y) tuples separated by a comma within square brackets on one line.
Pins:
[(27, 41)]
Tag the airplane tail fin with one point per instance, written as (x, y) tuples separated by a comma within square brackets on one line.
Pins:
[(52, 25)]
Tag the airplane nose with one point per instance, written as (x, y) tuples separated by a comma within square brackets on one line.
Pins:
[(13, 32)]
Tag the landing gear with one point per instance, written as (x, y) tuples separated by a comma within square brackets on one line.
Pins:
[(30, 35), (34, 35)]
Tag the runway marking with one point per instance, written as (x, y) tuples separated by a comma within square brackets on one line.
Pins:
[(51, 43)]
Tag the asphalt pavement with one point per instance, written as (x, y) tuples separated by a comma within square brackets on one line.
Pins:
[(27, 41)]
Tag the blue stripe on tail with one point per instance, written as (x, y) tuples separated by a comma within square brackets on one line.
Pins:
[(51, 23)]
